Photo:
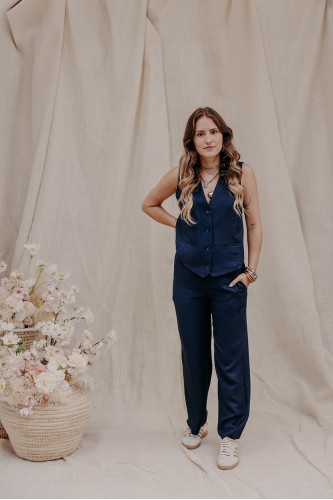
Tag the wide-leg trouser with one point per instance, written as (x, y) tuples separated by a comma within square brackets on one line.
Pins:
[(201, 303)]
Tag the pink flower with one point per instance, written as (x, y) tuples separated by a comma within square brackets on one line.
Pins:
[(35, 369)]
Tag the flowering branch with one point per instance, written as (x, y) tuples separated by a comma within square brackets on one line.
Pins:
[(44, 372)]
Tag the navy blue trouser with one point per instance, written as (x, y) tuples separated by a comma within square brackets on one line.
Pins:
[(201, 303)]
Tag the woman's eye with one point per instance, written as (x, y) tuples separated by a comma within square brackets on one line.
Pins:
[(200, 133)]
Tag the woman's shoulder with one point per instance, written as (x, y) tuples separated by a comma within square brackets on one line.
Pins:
[(171, 178), (176, 173), (248, 175), (247, 169), (172, 174)]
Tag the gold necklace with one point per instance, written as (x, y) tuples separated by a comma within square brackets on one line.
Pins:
[(210, 193)]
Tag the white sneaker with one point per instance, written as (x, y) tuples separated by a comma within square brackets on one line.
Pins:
[(192, 441), (229, 454)]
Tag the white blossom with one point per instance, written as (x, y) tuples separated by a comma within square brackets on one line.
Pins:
[(50, 268), (15, 302), (78, 313), (54, 354), (46, 382), (10, 339), (87, 335), (78, 362), (17, 363), (27, 310), (26, 412), (16, 274), (28, 283), (40, 344), (32, 247), (112, 335), (61, 275), (88, 316), (53, 365), (70, 299), (6, 326)]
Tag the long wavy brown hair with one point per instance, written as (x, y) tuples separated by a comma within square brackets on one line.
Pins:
[(189, 164)]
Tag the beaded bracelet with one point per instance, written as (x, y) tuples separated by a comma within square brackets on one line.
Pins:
[(251, 274)]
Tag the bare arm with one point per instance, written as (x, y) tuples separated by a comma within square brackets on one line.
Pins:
[(166, 187), (252, 217)]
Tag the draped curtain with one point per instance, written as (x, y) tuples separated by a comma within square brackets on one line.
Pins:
[(94, 100)]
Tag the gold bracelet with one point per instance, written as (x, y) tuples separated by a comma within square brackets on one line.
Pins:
[(249, 277), (251, 274)]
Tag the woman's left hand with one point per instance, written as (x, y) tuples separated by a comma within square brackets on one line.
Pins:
[(241, 277)]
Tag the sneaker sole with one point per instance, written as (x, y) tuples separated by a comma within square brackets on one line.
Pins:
[(189, 447), (227, 467)]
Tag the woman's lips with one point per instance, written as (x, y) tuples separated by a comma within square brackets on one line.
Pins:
[(210, 147)]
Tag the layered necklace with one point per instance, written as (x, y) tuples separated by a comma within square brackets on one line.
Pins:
[(206, 183)]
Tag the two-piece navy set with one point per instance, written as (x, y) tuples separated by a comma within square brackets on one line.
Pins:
[(209, 255)]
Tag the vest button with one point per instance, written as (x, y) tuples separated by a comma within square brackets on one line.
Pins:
[(207, 248), (207, 211), (207, 229)]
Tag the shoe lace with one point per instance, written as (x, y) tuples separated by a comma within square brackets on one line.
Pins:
[(188, 433), (227, 446)]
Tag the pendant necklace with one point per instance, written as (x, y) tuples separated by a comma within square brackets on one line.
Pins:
[(210, 193)]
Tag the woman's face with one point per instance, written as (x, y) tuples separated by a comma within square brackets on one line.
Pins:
[(208, 140)]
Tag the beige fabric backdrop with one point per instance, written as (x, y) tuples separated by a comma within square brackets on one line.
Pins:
[(94, 100)]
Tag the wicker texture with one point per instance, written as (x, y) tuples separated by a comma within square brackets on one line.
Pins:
[(53, 431), (3, 433), (28, 335)]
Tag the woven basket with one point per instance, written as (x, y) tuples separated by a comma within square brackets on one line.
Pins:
[(3, 433), (28, 335), (53, 430)]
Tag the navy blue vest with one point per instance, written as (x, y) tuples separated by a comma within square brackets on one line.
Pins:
[(215, 245)]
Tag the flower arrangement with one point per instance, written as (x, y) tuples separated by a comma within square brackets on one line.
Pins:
[(44, 372)]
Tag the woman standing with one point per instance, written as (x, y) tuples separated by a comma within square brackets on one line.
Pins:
[(211, 280)]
